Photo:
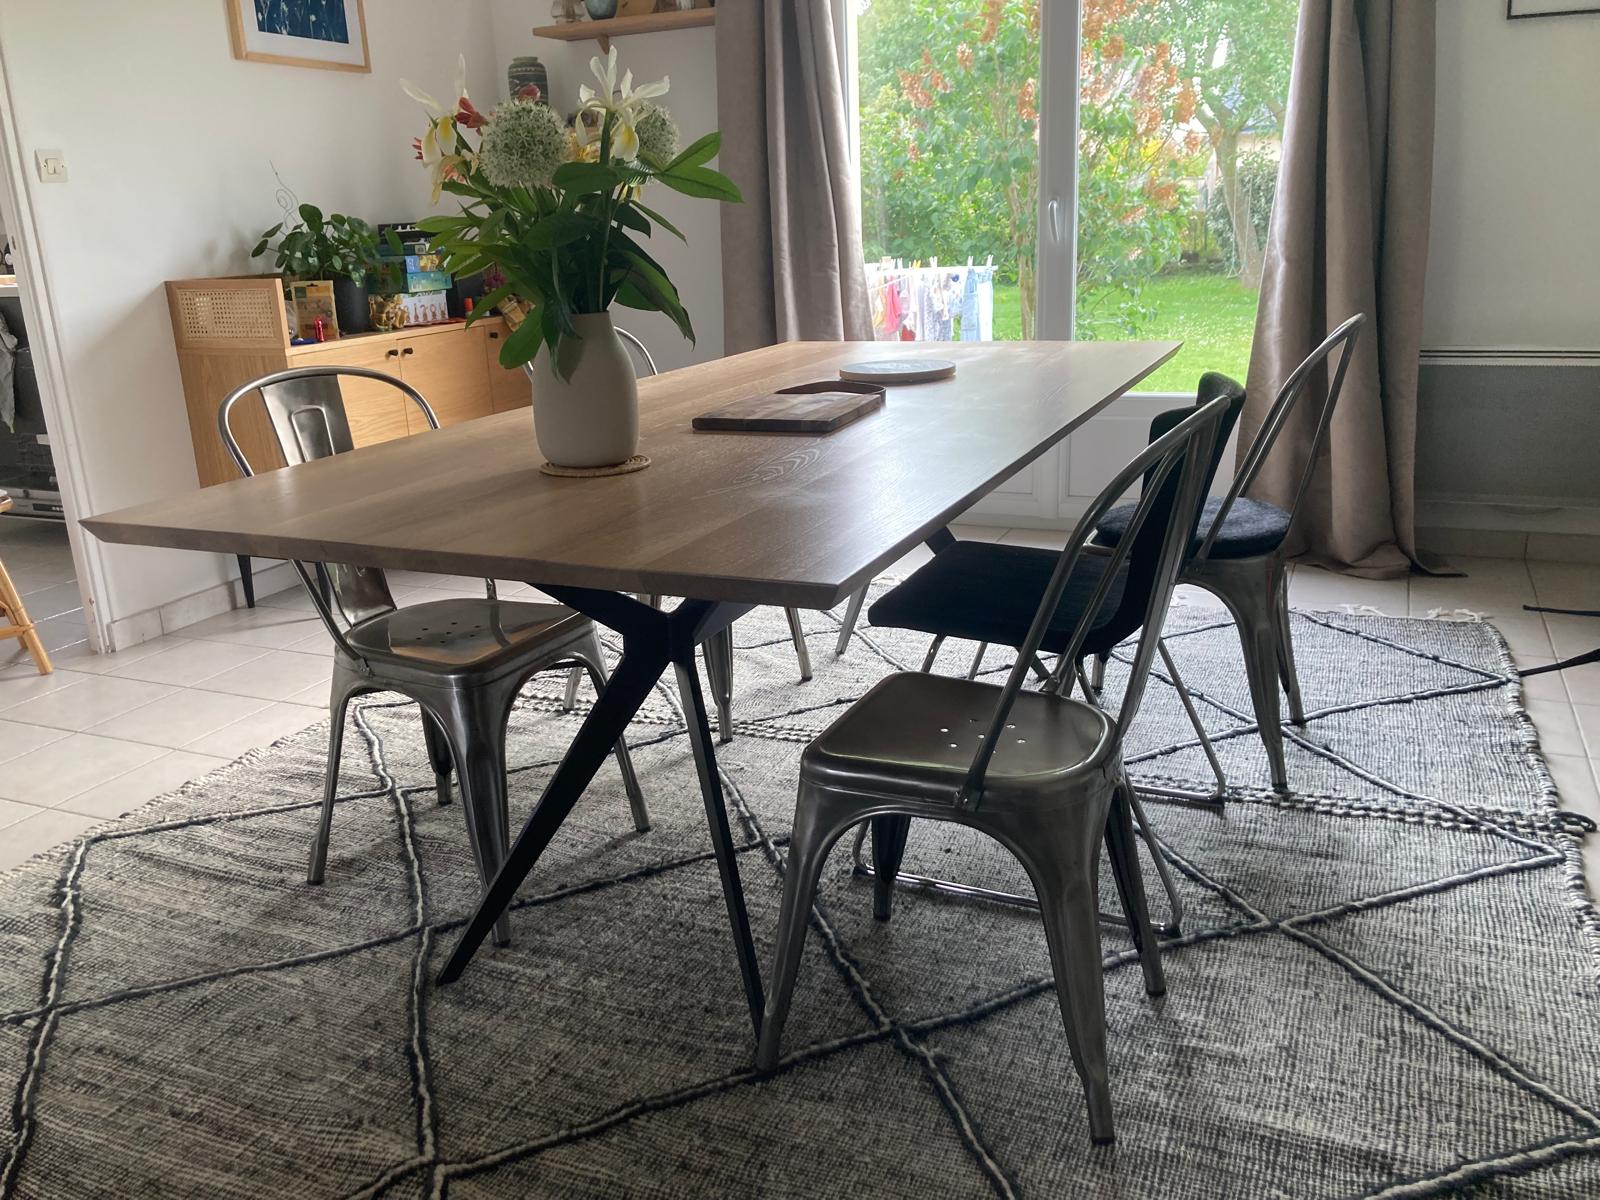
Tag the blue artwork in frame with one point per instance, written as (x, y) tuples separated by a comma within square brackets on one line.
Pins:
[(303, 33)]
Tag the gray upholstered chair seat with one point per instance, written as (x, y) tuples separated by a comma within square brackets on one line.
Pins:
[(1252, 527)]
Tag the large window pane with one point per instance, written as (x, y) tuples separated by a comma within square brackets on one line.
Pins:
[(1180, 118), (950, 165)]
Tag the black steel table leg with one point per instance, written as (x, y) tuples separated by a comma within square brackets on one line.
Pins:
[(651, 640)]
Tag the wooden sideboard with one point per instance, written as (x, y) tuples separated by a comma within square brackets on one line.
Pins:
[(230, 331)]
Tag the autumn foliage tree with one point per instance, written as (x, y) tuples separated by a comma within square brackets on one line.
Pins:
[(950, 143)]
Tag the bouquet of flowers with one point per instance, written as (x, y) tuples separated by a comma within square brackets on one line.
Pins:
[(556, 215)]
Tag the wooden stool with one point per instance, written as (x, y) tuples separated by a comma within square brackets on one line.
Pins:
[(14, 621)]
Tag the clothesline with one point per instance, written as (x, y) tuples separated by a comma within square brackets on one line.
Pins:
[(932, 303)]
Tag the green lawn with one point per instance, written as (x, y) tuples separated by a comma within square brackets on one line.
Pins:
[(1210, 313)]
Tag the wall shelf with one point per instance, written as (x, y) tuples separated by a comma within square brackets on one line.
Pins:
[(604, 31)]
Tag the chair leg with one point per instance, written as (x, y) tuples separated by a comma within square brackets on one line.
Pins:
[(933, 653), (475, 722), (630, 779), (438, 755), (798, 636), (1071, 925), (1097, 674), (888, 848), (1124, 855), (570, 700), (12, 612), (815, 831), (977, 660), (718, 651), (852, 614), (1194, 718), (1258, 634), (1286, 669), (317, 869)]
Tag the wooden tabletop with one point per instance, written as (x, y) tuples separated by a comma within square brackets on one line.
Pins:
[(757, 518)]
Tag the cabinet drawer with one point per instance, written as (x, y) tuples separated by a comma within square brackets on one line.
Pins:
[(507, 389)]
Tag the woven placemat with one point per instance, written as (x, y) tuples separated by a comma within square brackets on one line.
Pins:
[(627, 467)]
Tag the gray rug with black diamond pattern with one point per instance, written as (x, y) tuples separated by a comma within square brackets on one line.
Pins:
[(1388, 985)]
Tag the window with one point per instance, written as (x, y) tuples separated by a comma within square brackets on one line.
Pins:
[(967, 113)]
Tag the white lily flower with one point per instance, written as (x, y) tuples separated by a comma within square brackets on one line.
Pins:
[(621, 100)]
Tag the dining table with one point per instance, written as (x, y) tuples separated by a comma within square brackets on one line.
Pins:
[(727, 521)]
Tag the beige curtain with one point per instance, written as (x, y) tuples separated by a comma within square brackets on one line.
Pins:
[(1350, 234), (791, 253)]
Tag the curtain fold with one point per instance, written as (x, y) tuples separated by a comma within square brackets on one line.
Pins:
[(792, 264), (1350, 234)]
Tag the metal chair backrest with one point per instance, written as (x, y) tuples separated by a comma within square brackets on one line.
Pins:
[(639, 348), (306, 411), (1172, 469), (1277, 417)]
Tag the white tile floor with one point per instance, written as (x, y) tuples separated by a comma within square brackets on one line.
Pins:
[(105, 734)]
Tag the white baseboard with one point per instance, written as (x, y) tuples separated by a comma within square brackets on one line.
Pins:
[(188, 610)]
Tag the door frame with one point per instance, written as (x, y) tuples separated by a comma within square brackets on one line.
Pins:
[(44, 338)]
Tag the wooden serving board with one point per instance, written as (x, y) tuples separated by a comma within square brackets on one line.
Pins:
[(808, 408)]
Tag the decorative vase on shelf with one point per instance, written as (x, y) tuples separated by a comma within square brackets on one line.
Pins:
[(525, 72), (590, 418), (601, 10)]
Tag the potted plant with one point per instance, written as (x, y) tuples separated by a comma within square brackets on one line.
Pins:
[(338, 248), (559, 216)]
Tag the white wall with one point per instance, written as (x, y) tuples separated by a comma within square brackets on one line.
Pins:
[(1514, 257), (688, 58), (170, 144)]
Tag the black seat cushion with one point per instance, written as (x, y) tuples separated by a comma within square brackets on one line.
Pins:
[(1253, 527), (989, 593)]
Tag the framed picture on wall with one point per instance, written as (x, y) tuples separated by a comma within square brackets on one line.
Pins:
[(331, 34), (1516, 10)]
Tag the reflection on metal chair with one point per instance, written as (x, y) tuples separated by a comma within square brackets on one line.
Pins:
[(462, 660), (1240, 557), (1039, 772)]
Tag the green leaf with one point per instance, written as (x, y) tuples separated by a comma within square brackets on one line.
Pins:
[(523, 343), (699, 152), (659, 220), (704, 183), (586, 177), (311, 215)]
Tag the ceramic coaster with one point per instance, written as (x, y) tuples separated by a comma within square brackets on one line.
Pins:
[(637, 463), (898, 370)]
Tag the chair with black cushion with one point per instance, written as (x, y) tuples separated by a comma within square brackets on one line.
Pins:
[(462, 660), (1038, 771), (987, 592), (1240, 558)]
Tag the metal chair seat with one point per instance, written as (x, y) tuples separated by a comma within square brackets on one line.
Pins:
[(913, 736), (470, 635), (988, 592), (1251, 528)]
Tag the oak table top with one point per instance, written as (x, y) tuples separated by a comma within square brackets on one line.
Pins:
[(780, 519)]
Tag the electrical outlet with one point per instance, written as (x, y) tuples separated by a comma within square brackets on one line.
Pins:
[(52, 166)]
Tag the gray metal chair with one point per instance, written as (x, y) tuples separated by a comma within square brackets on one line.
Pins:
[(1240, 559), (462, 660), (1039, 772)]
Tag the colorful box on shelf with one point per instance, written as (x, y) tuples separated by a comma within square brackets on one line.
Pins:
[(394, 278), (424, 262), (426, 309)]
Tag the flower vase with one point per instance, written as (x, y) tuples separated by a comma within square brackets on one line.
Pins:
[(590, 418)]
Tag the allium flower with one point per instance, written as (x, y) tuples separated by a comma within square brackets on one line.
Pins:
[(658, 133), (523, 144)]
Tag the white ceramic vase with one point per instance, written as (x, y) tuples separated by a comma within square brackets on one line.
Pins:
[(591, 417)]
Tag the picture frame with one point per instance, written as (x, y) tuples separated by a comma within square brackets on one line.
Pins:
[(1523, 10), (327, 34)]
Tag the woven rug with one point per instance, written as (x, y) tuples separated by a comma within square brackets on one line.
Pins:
[(1388, 983)]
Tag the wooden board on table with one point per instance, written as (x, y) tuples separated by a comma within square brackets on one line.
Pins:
[(829, 407)]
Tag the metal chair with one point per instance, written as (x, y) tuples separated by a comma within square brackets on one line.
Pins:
[(987, 592), (462, 660), (1039, 772), (1240, 559), (14, 619)]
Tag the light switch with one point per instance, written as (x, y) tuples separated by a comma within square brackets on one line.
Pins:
[(52, 166)]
